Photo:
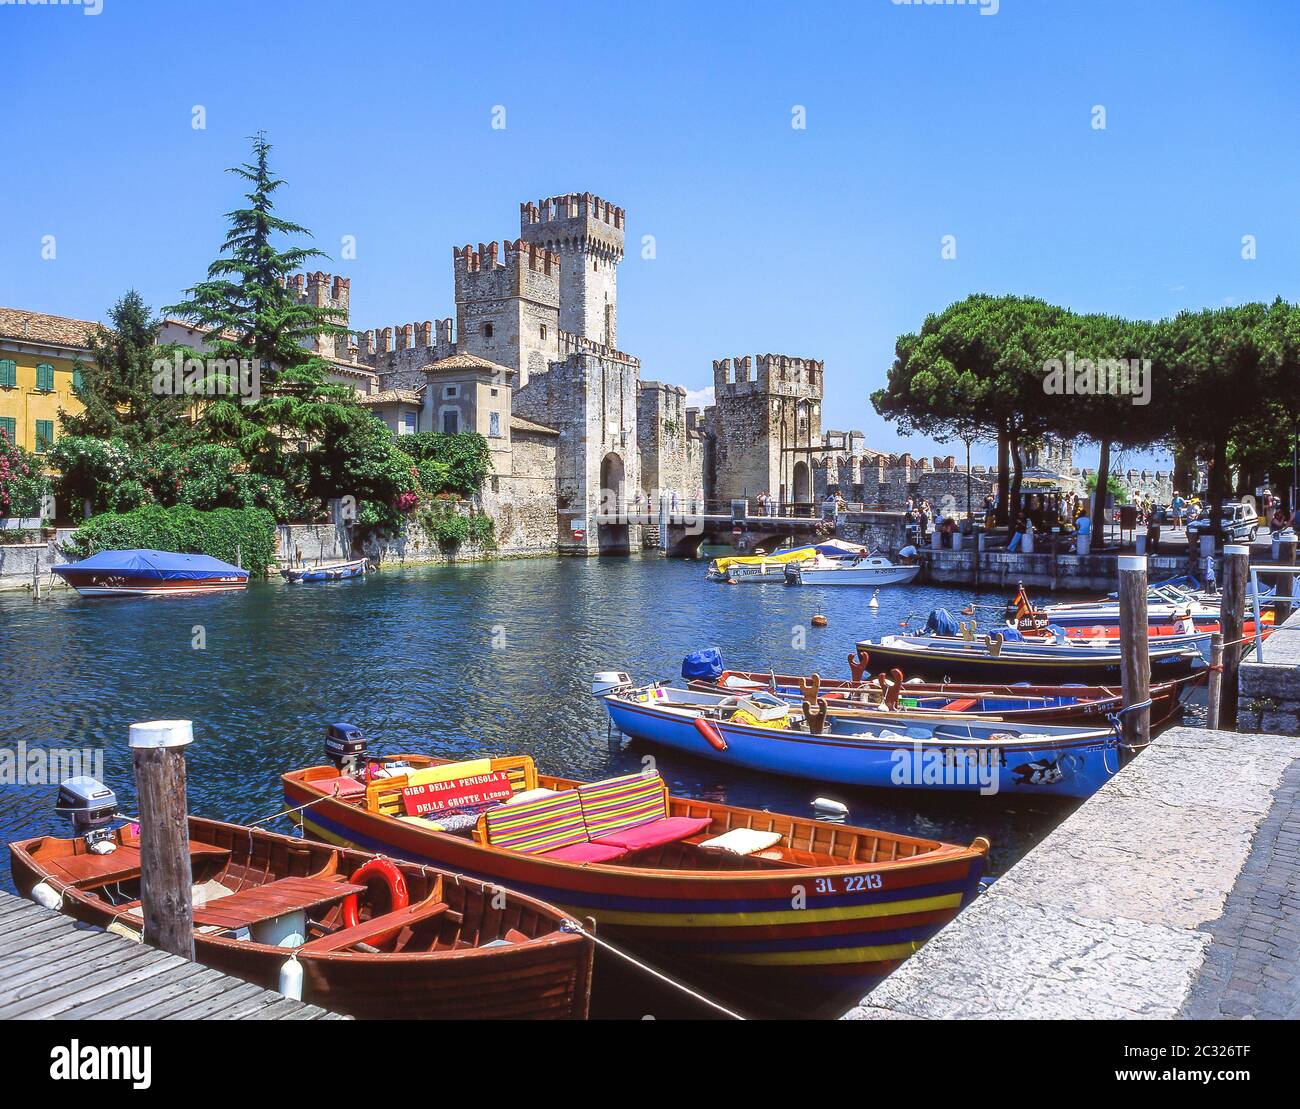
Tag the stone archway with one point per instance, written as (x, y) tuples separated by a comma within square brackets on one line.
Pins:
[(613, 538), (802, 490)]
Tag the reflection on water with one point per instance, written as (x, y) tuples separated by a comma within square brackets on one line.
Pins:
[(457, 660)]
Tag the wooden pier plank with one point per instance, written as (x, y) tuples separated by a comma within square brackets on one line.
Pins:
[(52, 966)]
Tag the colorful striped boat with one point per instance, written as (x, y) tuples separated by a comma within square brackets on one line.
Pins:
[(807, 904)]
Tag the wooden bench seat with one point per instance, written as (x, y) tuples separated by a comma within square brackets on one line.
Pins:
[(360, 933), (88, 870), (258, 903)]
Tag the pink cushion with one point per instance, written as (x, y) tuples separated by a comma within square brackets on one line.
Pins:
[(342, 786), (585, 853), (668, 829)]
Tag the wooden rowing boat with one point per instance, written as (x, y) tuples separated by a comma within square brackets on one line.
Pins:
[(1051, 704), (900, 750), (325, 571), (945, 658), (460, 949), (819, 904)]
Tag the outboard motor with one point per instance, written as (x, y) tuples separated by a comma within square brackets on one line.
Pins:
[(606, 682), (345, 747), (91, 807)]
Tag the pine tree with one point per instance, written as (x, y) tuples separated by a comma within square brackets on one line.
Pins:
[(116, 382), (244, 304)]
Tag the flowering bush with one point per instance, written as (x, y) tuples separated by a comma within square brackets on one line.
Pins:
[(22, 483)]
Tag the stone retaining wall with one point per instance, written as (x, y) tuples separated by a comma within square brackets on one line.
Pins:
[(1270, 690)]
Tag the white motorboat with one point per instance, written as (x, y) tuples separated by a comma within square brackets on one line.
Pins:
[(867, 570)]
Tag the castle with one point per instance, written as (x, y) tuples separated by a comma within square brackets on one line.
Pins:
[(531, 361)]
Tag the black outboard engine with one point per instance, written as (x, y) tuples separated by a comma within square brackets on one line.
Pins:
[(91, 807), (345, 747)]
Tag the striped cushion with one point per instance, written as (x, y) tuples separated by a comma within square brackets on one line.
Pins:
[(538, 826), (619, 803)]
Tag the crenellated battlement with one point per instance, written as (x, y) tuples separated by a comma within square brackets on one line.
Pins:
[(519, 255), (571, 206), (768, 373), (322, 289), (426, 335), (578, 344)]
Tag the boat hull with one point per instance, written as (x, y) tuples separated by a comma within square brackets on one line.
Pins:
[(854, 575), (740, 930), (1011, 666), (1074, 767), (90, 583)]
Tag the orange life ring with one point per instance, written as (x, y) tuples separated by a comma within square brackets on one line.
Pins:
[(398, 895), (709, 731)]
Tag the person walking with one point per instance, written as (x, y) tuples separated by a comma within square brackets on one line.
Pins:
[(1178, 505)]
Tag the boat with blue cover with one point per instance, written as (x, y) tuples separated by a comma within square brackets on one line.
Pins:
[(147, 573), (758, 731)]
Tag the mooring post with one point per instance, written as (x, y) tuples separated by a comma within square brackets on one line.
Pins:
[(663, 522), (1232, 617), (166, 892), (1282, 599), (1214, 686), (1135, 652)]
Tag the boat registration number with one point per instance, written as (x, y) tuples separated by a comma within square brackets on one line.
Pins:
[(849, 883)]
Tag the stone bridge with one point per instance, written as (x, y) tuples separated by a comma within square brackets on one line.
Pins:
[(681, 532)]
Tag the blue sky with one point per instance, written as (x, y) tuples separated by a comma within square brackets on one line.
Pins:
[(922, 121)]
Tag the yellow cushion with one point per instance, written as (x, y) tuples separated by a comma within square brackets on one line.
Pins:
[(447, 773)]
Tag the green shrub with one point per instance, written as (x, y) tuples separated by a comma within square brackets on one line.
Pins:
[(465, 456), (224, 533)]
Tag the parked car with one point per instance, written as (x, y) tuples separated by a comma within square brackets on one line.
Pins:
[(1238, 522)]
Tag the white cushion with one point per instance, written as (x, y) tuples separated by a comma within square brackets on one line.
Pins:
[(743, 841), (525, 795)]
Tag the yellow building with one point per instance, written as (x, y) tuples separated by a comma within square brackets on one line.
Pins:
[(37, 366)]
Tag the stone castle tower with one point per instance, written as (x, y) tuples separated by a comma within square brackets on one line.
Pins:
[(509, 313), (587, 233), (323, 290), (766, 414)]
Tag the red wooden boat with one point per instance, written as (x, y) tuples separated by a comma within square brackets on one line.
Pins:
[(456, 949), (1087, 705), (805, 903)]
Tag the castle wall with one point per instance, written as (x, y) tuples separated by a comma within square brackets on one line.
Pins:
[(524, 504), (672, 451)]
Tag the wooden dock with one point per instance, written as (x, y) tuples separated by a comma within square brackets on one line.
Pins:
[(52, 966)]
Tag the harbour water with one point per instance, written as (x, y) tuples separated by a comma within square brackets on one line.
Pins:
[(492, 657)]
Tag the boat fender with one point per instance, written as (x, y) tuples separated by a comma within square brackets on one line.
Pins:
[(291, 978), (46, 896), (826, 804), (398, 896), (709, 731)]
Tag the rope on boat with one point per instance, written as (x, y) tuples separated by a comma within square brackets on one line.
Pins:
[(574, 926)]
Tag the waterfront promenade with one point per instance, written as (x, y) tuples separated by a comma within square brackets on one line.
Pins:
[(1173, 892)]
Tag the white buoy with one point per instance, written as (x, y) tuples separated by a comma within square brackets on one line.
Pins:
[(825, 804), (875, 599), (47, 896), (291, 979)]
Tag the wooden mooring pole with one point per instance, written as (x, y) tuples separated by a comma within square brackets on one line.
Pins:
[(166, 881), (1214, 685), (1135, 651), (1232, 617)]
